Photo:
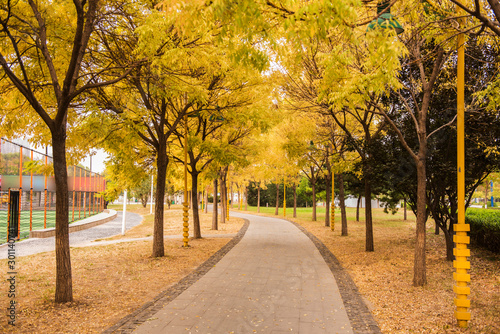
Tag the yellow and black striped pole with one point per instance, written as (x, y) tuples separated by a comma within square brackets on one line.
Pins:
[(332, 214), (185, 208), (461, 239)]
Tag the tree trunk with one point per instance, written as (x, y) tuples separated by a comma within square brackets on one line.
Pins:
[(206, 200), (223, 199), (246, 196), (194, 203), (161, 177), (294, 200), (368, 214), (436, 228), (405, 209), (223, 191), (215, 209), (419, 269), (342, 205), (64, 282), (277, 198), (448, 236), (357, 208), (258, 198)]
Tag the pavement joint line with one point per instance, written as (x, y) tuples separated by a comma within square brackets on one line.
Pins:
[(130, 322)]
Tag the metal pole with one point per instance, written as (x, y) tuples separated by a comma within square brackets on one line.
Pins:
[(332, 213), (85, 193), (31, 195), (185, 218), (80, 193), (45, 196), (460, 238), (74, 188), (124, 211), (284, 196), (151, 206)]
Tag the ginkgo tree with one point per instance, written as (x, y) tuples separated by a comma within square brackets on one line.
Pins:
[(46, 56), (241, 110)]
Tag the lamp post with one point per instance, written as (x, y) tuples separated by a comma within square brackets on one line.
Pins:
[(461, 264), (185, 215), (385, 19), (124, 220)]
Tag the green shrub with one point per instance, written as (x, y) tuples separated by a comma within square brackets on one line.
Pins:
[(485, 228)]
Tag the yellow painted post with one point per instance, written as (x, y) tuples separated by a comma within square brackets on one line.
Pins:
[(45, 199), (461, 264), (240, 198), (332, 214), (79, 194), (185, 209), (284, 196)]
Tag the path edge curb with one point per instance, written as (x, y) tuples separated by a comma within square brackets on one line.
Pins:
[(362, 320), (130, 322)]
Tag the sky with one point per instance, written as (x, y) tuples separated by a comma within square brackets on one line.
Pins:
[(97, 160)]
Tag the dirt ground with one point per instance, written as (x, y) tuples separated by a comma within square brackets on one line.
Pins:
[(384, 277), (112, 281), (109, 282)]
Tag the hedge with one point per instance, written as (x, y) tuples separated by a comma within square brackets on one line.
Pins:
[(484, 228)]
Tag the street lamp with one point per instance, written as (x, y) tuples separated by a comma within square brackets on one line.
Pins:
[(385, 19), (461, 264)]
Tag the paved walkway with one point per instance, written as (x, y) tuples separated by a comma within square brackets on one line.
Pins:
[(274, 281), (76, 239)]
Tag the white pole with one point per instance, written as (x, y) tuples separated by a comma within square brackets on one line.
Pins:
[(151, 206), (124, 211)]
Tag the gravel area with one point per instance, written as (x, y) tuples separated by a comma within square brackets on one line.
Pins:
[(76, 239)]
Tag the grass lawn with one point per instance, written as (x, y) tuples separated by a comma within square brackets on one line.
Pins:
[(38, 217), (109, 282), (384, 277)]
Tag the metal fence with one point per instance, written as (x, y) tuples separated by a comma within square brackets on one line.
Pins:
[(27, 191)]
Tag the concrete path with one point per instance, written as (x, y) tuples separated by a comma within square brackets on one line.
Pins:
[(76, 239), (273, 281)]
